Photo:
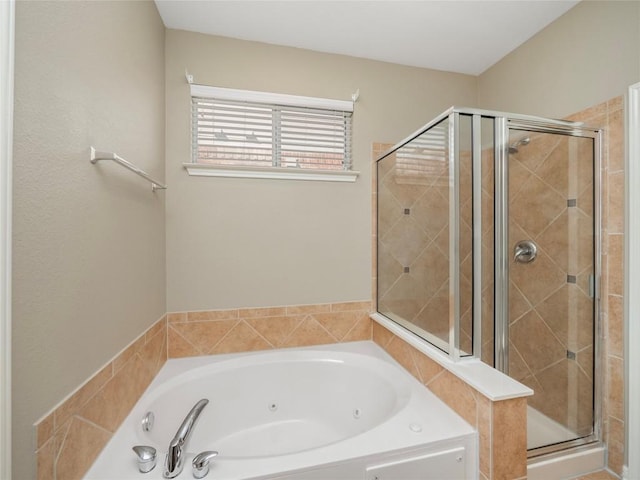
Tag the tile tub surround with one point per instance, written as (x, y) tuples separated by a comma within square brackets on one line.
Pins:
[(249, 329), (72, 435)]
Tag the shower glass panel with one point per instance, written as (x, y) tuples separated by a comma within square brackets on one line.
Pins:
[(488, 246), (413, 235), (551, 291)]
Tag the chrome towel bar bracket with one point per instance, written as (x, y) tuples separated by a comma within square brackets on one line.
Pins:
[(96, 156)]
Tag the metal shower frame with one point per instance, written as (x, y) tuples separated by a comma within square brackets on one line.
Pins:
[(502, 123)]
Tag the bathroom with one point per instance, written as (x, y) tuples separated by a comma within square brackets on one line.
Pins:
[(98, 258)]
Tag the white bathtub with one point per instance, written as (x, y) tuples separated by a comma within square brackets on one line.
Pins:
[(333, 412)]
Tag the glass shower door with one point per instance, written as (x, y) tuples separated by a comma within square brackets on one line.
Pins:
[(551, 301)]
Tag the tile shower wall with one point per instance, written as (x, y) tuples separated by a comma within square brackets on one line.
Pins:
[(502, 433), (70, 438), (551, 311), (610, 116)]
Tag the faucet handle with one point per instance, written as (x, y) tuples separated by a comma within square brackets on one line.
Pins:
[(146, 458), (201, 463)]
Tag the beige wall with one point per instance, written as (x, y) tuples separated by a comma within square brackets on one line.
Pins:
[(586, 57), (245, 243), (88, 243)]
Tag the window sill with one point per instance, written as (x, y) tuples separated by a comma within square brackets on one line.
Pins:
[(274, 173)]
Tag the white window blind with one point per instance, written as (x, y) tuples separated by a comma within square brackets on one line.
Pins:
[(255, 129)]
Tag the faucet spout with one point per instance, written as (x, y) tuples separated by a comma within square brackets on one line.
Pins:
[(174, 461)]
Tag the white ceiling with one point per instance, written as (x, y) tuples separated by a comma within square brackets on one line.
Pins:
[(466, 36)]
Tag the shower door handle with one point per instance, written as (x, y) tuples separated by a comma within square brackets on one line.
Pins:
[(525, 251)]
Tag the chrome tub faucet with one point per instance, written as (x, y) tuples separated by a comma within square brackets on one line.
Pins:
[(174, 461)]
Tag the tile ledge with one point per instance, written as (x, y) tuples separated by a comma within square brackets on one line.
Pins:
[(488, 381)]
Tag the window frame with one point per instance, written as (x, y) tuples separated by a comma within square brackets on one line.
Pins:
[(268, 172)]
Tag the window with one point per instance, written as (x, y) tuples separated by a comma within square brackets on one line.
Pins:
[(258, 134)]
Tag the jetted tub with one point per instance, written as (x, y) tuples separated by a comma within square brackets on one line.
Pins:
[(346, 411)]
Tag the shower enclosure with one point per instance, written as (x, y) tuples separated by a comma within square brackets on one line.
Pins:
[(488, 246)]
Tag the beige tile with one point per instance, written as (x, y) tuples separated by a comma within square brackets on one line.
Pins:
[(615, 264), (592, 112), (44, 430), (518, 369), (212, 315), (615, 133), (45, 458), (554, 170), (552, 392), (536, 196), (340, 323), (309, 332), (569, 315), (128, 353), (615, 396), (179, 317), (536, 343), (615, 326), (275, 329), (156, 327), (484, 434), (427, 368), (360, 331), (204, 335), (401, 352), (178, 346), (349, 306), (306, 309), (518, 305), (615, 217), (77, 401), (539, 148), (154, 353), (615, 446), (83, 444), (241, 338), (456, 394), (585, 361), (109, 407), (262, 312), (509, 439), (615, 103), (381, 335), (538, 279)]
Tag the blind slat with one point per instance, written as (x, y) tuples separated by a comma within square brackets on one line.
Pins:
[(241, 133)]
